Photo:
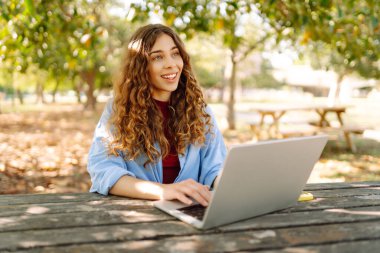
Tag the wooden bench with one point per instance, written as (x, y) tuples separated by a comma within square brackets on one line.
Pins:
[(348, 131), (297, 130), (284, 130)]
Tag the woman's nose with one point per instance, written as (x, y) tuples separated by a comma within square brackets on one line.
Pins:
[(169, 62)]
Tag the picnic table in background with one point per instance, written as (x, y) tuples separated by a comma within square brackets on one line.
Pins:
[(275, 112), (343, 217)]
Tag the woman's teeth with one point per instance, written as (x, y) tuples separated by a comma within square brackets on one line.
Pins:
[(171, 76)]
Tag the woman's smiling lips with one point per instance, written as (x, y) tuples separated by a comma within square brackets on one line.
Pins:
[(169, 76)]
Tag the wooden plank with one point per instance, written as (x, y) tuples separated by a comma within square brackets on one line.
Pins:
[(330, 186), (88, 214), (347, 192), (143, 246), (329, 216), (112, 233), (23, 199), (66, 220), (292, 130), (271, 221), (73, 214), (256, 240), (69, 207), (338, 202), (321, 190), (346, 247)]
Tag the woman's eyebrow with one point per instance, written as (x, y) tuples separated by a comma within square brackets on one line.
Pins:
[(160, 51)]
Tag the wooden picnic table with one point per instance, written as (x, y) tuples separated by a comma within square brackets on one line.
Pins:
[(275, 112), (344, 217)]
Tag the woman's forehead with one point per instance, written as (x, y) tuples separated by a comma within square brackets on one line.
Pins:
[(163, 42)]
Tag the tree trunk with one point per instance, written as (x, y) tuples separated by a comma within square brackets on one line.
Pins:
[(221, 93), (20, 96), (89, 78), (2, 97), (13, 90), (335, 89), (231, 101), (77, 92), (57, 83), (40, 94), (223, 85), (77, 88)]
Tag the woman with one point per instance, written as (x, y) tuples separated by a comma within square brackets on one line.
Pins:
[(156, 139)]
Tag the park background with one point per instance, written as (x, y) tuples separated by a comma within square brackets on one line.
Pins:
[(58, 60)]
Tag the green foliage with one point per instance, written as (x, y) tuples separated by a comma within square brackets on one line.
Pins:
[(191, 17), (350, 29), (207, 56), (64, 38), (207, 78), (263, 79)]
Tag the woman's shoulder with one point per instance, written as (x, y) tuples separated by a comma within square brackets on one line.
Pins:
[(110, 101), (109, 105), (209, 110)]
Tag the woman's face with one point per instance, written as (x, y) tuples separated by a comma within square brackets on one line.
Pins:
[(165, 67)]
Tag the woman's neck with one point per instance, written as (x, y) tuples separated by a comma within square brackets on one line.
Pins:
[(162, 104), (161, 97)]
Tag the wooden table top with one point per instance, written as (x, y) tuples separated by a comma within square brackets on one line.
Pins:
[(344, 217), (272, 108)]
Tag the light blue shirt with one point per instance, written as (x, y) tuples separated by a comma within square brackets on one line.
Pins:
[(200, 162)]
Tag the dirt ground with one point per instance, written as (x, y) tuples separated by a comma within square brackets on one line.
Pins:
[(43, 149)]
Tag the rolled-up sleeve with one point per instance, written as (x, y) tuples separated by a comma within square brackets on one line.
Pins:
[(212, 154), (104, 169)]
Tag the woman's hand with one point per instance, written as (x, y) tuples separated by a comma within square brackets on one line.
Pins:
[(185, 190)]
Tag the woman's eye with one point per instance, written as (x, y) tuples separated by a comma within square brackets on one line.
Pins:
[(157, 57), (176, 54)]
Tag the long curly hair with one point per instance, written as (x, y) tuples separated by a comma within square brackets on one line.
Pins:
[(136, 120)]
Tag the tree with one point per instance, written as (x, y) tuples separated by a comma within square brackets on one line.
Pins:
[(225, 18), (349, 29), (14, 51), (63, 37)]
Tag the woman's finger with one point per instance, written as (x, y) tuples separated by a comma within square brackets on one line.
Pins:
[(182, 197), (204, 190), (197, 193)]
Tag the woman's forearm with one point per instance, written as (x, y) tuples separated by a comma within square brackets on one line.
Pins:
[(183, 191), (128, 186)]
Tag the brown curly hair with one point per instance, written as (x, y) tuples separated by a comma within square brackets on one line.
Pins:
[(136, 119)]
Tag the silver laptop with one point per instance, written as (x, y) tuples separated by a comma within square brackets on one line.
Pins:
[(256, 179)]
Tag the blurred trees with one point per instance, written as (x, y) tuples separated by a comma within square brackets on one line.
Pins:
[(349, 30), (68, 39), (344, 33), (263, 78), (77, 43)]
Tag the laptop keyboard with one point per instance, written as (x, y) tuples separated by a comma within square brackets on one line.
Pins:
[(196, 211)]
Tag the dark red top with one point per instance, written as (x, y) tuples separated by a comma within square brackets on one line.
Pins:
[(170, 163)]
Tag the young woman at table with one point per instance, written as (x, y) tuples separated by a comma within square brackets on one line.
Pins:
[(156, 139)]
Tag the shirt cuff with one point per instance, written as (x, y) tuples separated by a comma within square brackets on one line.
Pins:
[(111, 180), (209, 180)]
